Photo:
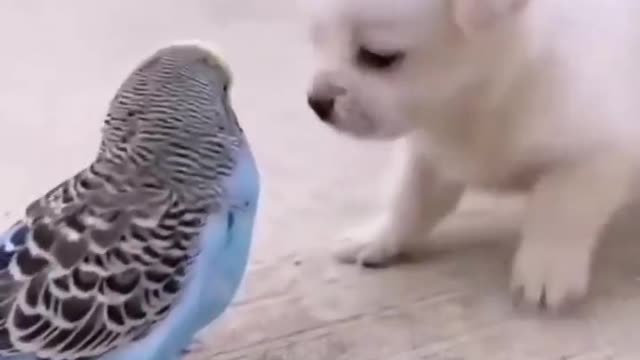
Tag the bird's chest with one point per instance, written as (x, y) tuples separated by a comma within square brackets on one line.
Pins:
[(218, 269)]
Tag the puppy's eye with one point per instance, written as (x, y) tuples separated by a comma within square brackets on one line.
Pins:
[(378, 60)]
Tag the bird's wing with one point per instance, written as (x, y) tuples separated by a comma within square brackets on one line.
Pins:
[(94, 265)]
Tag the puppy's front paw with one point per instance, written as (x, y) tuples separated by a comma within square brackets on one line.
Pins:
[(549, 277), (368, 248)]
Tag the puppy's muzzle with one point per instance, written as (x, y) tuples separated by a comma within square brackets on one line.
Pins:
[(322, 97)]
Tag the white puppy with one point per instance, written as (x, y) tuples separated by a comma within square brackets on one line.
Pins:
[(541, 96)]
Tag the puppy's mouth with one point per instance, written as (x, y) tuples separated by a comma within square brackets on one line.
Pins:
[(365, 120), (354, 122), (359, 123)]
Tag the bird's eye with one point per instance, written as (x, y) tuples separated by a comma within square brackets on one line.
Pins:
[(378, 60)]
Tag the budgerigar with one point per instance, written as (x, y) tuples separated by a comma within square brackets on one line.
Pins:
[(130, 257)]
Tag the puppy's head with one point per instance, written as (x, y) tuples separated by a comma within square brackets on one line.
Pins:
[(384, 65)]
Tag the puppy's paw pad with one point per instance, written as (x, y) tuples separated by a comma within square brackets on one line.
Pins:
[(368, 248), (374, 254), (549, 279)]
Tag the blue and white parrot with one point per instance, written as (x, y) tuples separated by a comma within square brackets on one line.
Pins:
[(133, 255)]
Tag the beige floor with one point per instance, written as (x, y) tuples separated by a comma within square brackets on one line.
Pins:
[(60, 63)]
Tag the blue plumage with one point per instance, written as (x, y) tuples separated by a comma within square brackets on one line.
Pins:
[(141, 250), (217, 273)]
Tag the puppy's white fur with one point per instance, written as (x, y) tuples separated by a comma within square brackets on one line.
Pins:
[(534, 95)]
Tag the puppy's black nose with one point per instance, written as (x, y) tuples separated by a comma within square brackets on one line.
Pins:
[(322, 106)]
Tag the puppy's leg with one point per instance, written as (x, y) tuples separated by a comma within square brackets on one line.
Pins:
[(423, 198), (567, 211)]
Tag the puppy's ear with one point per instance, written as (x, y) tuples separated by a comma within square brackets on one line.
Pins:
[(473, 16)]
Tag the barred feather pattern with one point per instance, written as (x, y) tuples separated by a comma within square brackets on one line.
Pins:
[(163, 115), (103, 257)]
